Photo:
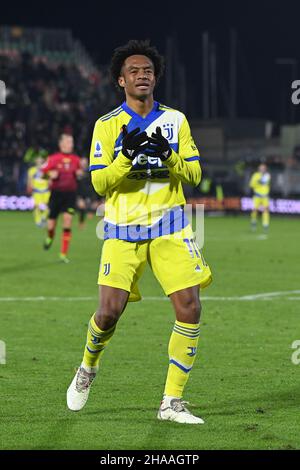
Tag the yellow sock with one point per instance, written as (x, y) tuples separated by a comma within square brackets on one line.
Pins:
[(37, 215), (44, 214), (253, 217), (266, 219), (96, 342), (182, 352)]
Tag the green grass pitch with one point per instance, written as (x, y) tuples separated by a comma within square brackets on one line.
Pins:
[(243, 384)]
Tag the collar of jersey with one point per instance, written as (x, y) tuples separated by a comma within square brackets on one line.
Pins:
[(150, 116)]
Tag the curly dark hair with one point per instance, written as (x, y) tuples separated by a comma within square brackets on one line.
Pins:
[(133, 47)]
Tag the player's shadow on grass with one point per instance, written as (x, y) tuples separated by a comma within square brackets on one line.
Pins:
[(28, 266), (121, 410), (146, 416)]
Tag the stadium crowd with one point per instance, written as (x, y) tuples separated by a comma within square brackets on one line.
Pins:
[(43, 100)]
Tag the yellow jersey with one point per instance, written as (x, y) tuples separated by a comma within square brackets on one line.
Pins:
[(143, 196), (260, 183), (36, 180)]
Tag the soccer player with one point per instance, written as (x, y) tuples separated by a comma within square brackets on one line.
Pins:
[(63, 168), (38, 186), (141, 154), (260, 183)]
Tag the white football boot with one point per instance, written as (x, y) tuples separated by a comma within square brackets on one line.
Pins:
[(174, 409), (79, 390)]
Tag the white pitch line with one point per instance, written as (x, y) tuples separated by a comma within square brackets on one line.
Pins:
[(269, 294), (265, 296), (42, 299)]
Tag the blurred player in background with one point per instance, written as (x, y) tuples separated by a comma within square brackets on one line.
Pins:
[(63, 169), (87, 198), (38, 187), (260, 183), (141, 153)]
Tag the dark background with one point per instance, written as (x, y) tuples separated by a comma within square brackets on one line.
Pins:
[(266, 30)]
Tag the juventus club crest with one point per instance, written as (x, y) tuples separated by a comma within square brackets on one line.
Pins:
[(168, 130)]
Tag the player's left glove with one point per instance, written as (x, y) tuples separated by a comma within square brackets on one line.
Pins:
[(158, 146), (133, 142)]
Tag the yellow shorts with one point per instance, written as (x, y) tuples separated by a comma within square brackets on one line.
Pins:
[(176, 262), (261, 201), (41, 198)]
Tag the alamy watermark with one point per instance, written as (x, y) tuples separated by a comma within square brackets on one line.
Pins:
[(296, 354), (2, 92), (296, 94), (2, 352), (131, 222)]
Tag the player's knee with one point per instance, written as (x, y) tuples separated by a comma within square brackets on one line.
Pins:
[(109, 313), (189, 311), (106, 319)]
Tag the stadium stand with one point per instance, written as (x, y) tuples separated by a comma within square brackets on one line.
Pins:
[(51, 85)]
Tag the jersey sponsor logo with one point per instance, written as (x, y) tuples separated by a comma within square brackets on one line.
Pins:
[(168, 128), (98, 151), (143, 175), (38, 175), (193, 351), (264, 179), (142, 160), (106, 269)]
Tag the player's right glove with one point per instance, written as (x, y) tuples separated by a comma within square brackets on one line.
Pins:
[(133, 142), (159, 146)]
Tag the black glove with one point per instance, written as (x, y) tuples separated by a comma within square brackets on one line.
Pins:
[(133, 142), (158, 146)]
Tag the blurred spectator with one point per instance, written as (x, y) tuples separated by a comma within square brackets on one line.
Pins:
[(42, 101)]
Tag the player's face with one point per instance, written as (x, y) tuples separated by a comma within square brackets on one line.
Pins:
[(39, 162), (137, 76), (66, 144), (262, 168)]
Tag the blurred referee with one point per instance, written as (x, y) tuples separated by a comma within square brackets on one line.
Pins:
[(63, 169)]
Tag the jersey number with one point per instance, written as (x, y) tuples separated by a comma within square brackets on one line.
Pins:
[(194, 249)]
